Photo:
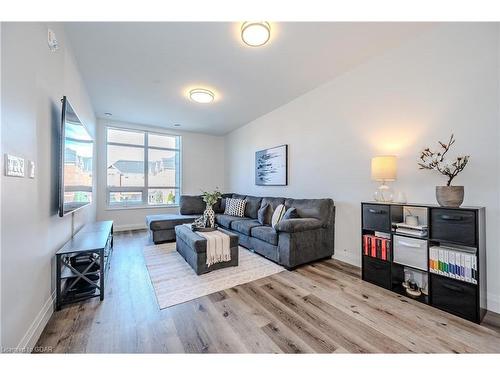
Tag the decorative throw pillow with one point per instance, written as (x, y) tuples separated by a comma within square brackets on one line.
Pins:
[(277, 215), (291, 213), (262, 214), (235, 207)]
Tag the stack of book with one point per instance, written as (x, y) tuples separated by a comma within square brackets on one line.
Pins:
[(414, 230), (453, 263), (377, 247)]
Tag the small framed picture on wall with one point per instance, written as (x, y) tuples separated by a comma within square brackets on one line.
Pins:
[(271, 166)]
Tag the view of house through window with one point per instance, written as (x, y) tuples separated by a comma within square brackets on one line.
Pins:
[(143, 168)]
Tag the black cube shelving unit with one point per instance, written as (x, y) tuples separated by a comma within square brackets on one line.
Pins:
[(462, 228), (81, 264)]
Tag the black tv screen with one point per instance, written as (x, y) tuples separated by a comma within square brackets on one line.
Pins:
[(75, 171)]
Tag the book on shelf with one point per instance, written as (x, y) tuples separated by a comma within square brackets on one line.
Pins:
[(376, 247), (453, 263)]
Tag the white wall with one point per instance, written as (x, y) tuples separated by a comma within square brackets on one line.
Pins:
[(442, 82), (33, 82), (202, 169)]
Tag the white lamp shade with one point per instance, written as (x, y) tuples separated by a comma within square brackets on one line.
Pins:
[(384, 168)]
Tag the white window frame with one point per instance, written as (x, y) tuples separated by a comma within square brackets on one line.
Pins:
[(142, 189)]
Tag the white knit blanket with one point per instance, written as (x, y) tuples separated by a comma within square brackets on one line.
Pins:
[(218, 246)]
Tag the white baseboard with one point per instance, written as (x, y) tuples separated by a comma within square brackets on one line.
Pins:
[(493, 302), (122, 228), (347, 257), (33, 333)]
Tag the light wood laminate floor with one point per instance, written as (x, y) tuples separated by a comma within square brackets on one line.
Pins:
[(320, 308)]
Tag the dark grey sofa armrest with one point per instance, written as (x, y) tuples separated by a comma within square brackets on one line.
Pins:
[(298, 225)]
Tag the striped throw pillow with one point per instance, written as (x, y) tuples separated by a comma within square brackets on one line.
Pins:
[(235, 207), (278, 215)]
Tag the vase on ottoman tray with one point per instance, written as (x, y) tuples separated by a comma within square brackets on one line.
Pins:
[(210, 198), (209, 216)]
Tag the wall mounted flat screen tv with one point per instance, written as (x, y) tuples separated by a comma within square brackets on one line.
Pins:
[(75, 169)]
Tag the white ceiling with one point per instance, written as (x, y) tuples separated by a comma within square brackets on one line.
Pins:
[(140, 72)]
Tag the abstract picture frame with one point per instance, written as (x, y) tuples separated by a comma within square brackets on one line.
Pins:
[(271, 166)]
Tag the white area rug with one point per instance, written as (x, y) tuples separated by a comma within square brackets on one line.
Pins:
[(174, 281)]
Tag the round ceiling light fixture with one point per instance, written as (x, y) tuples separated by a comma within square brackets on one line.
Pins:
[(255, 34), (202, 96)]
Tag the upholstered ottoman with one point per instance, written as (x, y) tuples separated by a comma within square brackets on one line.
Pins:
[(193, 249)]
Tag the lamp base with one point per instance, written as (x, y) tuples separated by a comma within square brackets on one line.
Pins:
[(384, 193)]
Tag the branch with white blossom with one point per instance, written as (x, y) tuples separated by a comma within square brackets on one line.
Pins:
[(435, 160)]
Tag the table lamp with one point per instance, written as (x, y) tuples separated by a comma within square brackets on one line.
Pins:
[(383, 170)]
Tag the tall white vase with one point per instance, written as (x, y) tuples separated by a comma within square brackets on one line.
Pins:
[(209, 216)]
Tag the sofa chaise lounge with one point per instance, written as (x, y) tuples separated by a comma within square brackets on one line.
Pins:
[(294, 242)]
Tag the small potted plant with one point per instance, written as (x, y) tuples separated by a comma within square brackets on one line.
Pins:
[(210, 198), (447, 196)]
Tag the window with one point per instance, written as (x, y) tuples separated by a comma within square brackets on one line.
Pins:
[(143, 168)]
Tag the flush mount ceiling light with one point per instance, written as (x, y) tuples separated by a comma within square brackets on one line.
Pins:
[(255, 34), (202, 96)]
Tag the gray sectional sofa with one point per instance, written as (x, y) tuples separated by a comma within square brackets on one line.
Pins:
[(294, 242)]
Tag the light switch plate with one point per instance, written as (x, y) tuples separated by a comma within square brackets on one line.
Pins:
[(31, 169), (14, 166)]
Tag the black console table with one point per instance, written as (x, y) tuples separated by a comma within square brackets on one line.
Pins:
[(452, 240), (82, 262)]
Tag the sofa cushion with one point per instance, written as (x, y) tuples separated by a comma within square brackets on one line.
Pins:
[(244, 226), (291, 213), (265, 233), (238, 196), (226, 220), (252, 206), (277, 215), (315, 208), (235, 207), (262, 214), (220, 206), (273, 203), (191, 205), (168, 221)]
